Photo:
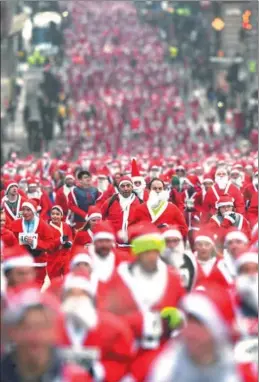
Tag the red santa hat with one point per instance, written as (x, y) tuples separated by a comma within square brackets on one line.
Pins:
[(135, 174), (246, 258), (69, 175), (59, 208), (207, 178), (9, 185), (103, 230), (235, 234), (93, 212), (144, 237), (80, 256), (16, 256), (205, 235), (31, 181), (31, 204), (125, 180), (171, 231), (225, 200), (214, 308), (81, 281)]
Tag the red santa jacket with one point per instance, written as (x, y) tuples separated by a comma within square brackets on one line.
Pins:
[(114, 214), (220, 226), (217, 273), (13, 215), (43, 239), (251, 202), (62, 198), (82, 238), (176, 198), (8, 238), (112, 338), (170, 215), (212, 196), (56, 250)]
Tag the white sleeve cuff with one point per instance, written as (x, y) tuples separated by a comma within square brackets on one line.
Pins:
[(229, 218)]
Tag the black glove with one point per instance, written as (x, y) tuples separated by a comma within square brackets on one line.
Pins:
[(233, 215), (64, 238), (67, 244)]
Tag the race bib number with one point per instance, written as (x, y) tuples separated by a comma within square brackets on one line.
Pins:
[(23, 237)]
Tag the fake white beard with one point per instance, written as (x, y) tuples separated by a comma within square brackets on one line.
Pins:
[(156, 198), (221, 181), (174, 256), (82, 310), (103, 184), (247, 286)]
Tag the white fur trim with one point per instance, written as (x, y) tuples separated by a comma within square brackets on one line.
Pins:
[(204, 238), (239, 235), (78, 282), (19, 261), (230, 219), (30, 206), (208, 180), (103, 235), (80, 258), (59, 208), (222, 204), (248, 257), (172, 233), (125, 182), (205, 310), (92, 216), (14, 184)]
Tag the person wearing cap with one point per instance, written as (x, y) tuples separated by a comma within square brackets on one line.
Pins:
[(210, 267), (237, 178), (80, 198), (158, 210), (37, 194), (81, 261), (146, 293), (60, 253), (30, 321), (18, 266), (227, 218), (204, 351), (221, 187), (36, 235), (177, 256), (85, 327), (119, 209), (63, 192), (12, 201), (235, 243), (84, 236), (251, 200), (139, 184)]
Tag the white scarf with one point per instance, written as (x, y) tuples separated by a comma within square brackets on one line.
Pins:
[(66, 190), (207, 265), (125, 204)]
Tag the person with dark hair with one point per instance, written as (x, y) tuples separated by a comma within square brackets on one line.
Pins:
[(81, 198), (158, 210)]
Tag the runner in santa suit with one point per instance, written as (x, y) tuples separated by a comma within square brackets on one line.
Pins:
[(210, 266), (221, 187), (175, 195), (226, 218), (235, 243), (84, 236), (251, 200), (63, 191), (204, 351), (40, 197), (12, 202), (80, 199), (86, 328), (7, 237), (105, 257), (36, 235), (59, 254), (139, 184), (112, 189), (192, 205), (31, 321), (158, 210), (142, 292), (119, 209), (45, 167), (177, 256)]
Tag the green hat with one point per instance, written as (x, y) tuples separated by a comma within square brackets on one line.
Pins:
[(175, 181)]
